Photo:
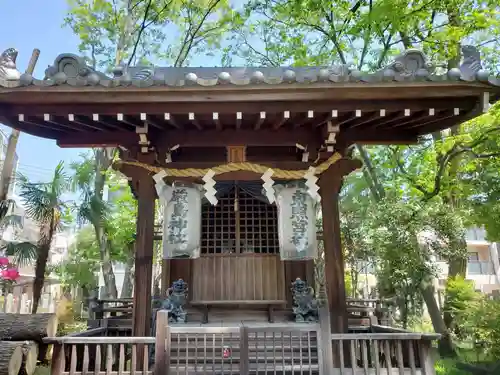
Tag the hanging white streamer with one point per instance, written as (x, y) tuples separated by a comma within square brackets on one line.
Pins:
[(268, 185), (159, 183), (210, 191), (311, 183)]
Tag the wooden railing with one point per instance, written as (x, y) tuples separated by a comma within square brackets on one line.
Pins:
[(93, 352), (382, 309), (247, 349), (103, 310), (18, 302), (393, 350), (292, 348), (371, 353)]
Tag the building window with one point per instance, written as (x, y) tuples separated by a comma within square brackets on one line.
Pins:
[(476, 234), (473, 256), (440, 258), (240, 223)]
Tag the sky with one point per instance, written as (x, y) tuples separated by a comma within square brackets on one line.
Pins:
[(26, 25), (29, 24)]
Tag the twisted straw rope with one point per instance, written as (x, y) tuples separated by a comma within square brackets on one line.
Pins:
[(234, 167)]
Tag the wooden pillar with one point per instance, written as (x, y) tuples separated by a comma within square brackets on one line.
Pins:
[(330, 183), (165, 277), (141, 325)]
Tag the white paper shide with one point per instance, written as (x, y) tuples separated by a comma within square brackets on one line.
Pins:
[(296, 222), (181, 205)]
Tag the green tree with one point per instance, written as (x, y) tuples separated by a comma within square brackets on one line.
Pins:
[(44, 204), (122, 223), (89, 180), (79, 268), (365, 36), (129, 32)]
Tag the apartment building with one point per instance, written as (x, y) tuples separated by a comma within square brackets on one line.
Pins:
[(483, 266)]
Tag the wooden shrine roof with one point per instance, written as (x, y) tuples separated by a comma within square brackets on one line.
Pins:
[(201, 107)]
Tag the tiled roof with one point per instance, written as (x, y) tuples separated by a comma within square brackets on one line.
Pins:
[(71, 70)]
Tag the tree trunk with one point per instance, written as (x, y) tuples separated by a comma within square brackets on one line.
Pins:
[(106, 264), (11, 358), (20, 327), (8, 165), (30, 357), (46, 234), (103, 160), (128, 277), (445, 344)]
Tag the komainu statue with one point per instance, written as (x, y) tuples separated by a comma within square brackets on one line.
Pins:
[(305, 306), (8, 70), (175, 302)]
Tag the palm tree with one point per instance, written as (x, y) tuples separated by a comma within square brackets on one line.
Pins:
[(43, 203), (89, 179)]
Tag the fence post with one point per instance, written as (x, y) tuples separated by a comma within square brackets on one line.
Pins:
[(17, 297), (426, 357), (244, 351), (325, 352), (9, 303), (5, 296), (162, 343), (57, 366), (24, 304), (325, 347)]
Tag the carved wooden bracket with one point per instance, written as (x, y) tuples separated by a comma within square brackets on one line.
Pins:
[(236, 154)]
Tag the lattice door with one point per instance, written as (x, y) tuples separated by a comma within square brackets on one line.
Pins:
[(240, 259)]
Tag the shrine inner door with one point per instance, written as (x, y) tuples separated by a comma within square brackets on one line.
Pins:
[(240, 250)]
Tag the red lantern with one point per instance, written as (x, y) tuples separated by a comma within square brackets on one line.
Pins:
[(4, 261)]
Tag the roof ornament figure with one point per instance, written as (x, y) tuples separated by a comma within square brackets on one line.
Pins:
[(411, 64), (471, 67), (72, 69), (8, 70)]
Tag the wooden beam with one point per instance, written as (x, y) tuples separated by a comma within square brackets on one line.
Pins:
[(375, 136), (193, 138), (107, 106), (229, 93)]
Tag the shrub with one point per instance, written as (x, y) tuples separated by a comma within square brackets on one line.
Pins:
[(461, 299), (448, 367), (483, 324)]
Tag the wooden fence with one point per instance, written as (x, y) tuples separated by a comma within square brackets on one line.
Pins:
[(241, 349), (21, 303)]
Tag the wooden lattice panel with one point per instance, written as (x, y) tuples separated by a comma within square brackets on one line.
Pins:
[(239, 223), (218, 233), (258, 226)]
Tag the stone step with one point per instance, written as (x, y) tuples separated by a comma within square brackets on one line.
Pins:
[(234, 369), (258, 348), (235, 358)]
